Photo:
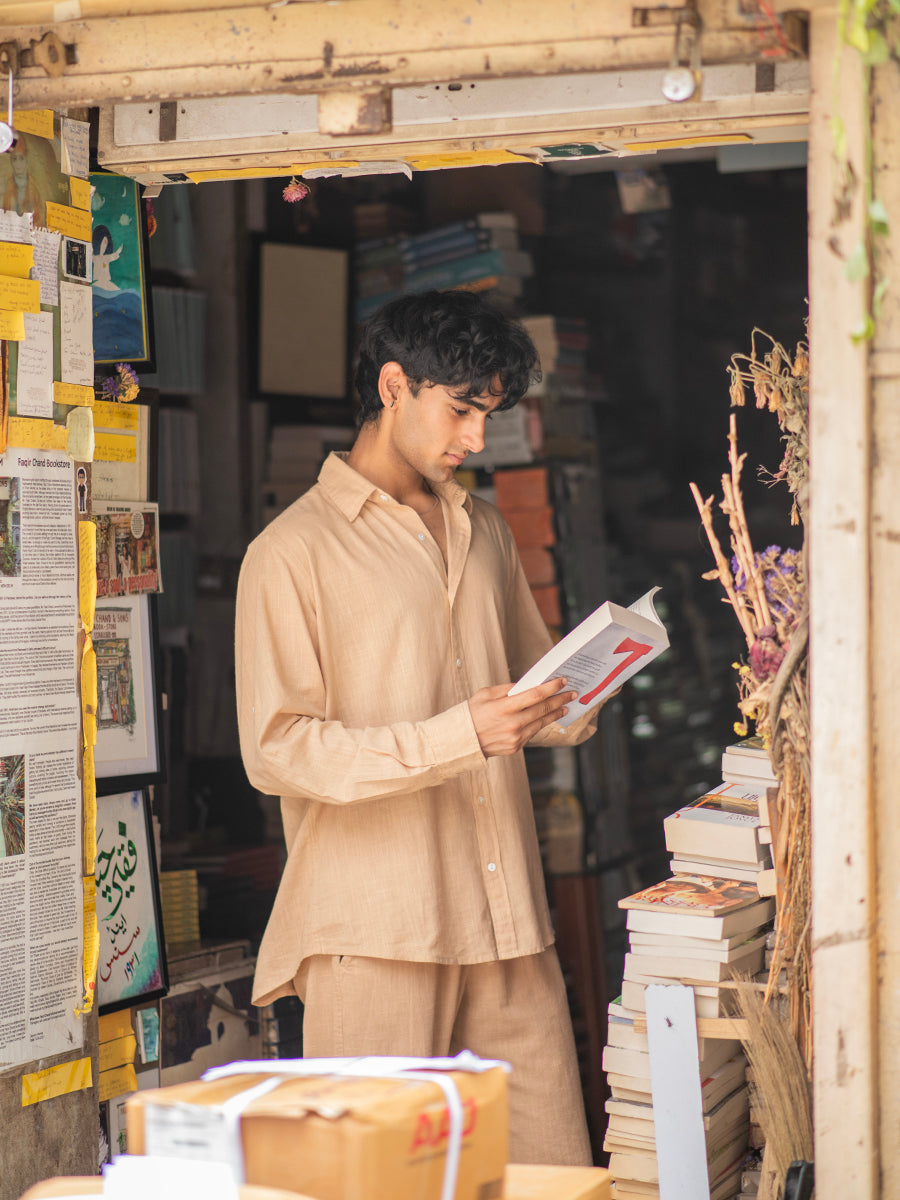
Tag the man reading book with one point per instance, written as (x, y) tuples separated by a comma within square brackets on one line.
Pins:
[(380, 622)]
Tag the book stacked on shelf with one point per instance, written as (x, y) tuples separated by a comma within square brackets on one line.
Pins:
[(480, 253), (748, 762), (700, 931), (718, 834), (295, 457)]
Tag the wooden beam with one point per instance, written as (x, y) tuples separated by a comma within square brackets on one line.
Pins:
[(347, 44), (884, 363), (841, 644)]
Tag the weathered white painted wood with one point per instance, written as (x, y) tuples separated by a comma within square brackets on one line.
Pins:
[(675, 1085), (845, 1069)]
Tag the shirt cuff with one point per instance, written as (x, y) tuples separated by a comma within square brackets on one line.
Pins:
[(453, 739)]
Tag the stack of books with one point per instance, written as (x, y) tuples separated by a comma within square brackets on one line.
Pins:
[(180, 902), (480, 253), (748, 762), (718, 834), (700, 931), (295, 457)]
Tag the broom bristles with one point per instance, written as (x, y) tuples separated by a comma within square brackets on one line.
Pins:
[(781, 1091)]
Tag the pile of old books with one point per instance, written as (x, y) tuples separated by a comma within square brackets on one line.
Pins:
[(703, 926), (480, 253)]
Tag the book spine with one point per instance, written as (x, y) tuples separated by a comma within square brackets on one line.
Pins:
[(421, 242), (442, 252), (474, 266)]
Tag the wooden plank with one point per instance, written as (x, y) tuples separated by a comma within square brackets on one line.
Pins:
[(359, 43), (842, 856), (728, 1029), (885, 372)]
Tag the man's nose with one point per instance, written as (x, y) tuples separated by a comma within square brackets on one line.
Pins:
[(473, 438)]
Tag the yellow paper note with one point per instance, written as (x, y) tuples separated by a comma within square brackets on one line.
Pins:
[(89, 823), (80, 431), (465, 158), (80, 193), (36, 433), (115, 447), (87, 572), (72, 222), (243, 173), (118, 1052), (56, 1081), (115, 1025), (38, 121), (20, 295), (110, 415), (12, 326), (116, 1082), (16, 258), (73, 393), (91, 955), (711, 139), (89, 691)]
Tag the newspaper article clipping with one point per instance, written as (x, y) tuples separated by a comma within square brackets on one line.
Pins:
[(40, 792)]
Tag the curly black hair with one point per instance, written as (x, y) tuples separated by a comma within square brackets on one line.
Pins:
[(450, 339)]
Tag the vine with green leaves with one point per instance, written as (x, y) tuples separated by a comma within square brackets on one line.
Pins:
[(872, 28)]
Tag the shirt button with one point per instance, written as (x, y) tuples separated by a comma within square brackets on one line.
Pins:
[(492, 866), (383, 496), (481, 799), (459, 662), (421, 537)]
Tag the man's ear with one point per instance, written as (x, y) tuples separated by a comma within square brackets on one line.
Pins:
[(391, 381)]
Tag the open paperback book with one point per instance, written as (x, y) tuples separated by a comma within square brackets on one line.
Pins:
[(601, 653)]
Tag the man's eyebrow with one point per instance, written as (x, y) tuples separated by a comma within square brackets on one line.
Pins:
[(479, 404)]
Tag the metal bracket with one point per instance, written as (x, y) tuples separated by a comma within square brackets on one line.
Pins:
[(49, 53)]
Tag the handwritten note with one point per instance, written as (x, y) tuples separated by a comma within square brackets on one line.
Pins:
[(34, 372), (36, 433), (108, 415), (16, 259), (15, 228), (115, 447), (12, 326), (80, 434), (79, 192), (75, 148), (38, 121), (46, 265), (73, 393), (76, 335), (20, 295), (73, 222)]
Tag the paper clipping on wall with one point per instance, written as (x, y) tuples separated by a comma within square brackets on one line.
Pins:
[(127, 548), (40, 792)]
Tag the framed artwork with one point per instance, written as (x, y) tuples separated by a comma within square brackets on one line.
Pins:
[(300, 354), (132, 963), (127, 753), (123, 328)]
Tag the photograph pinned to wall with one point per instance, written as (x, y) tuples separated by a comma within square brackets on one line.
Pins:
[(30, 176), (123, 326), (12, 805), (132, 964), (127, 751)]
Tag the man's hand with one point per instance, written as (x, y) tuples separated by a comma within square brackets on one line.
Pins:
[(505, 723)]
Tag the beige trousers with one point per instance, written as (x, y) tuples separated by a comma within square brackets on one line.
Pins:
[(515, 1009)]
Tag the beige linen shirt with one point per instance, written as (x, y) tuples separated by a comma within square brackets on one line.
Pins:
[(357, 649)]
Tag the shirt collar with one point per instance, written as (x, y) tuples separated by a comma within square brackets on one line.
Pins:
[(349, 490)]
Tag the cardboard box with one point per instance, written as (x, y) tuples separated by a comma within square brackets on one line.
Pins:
[(531, 526), (522, 489), (538, 564), (547, 600), (557, 1183), (66, 1186), (338, 1137)]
